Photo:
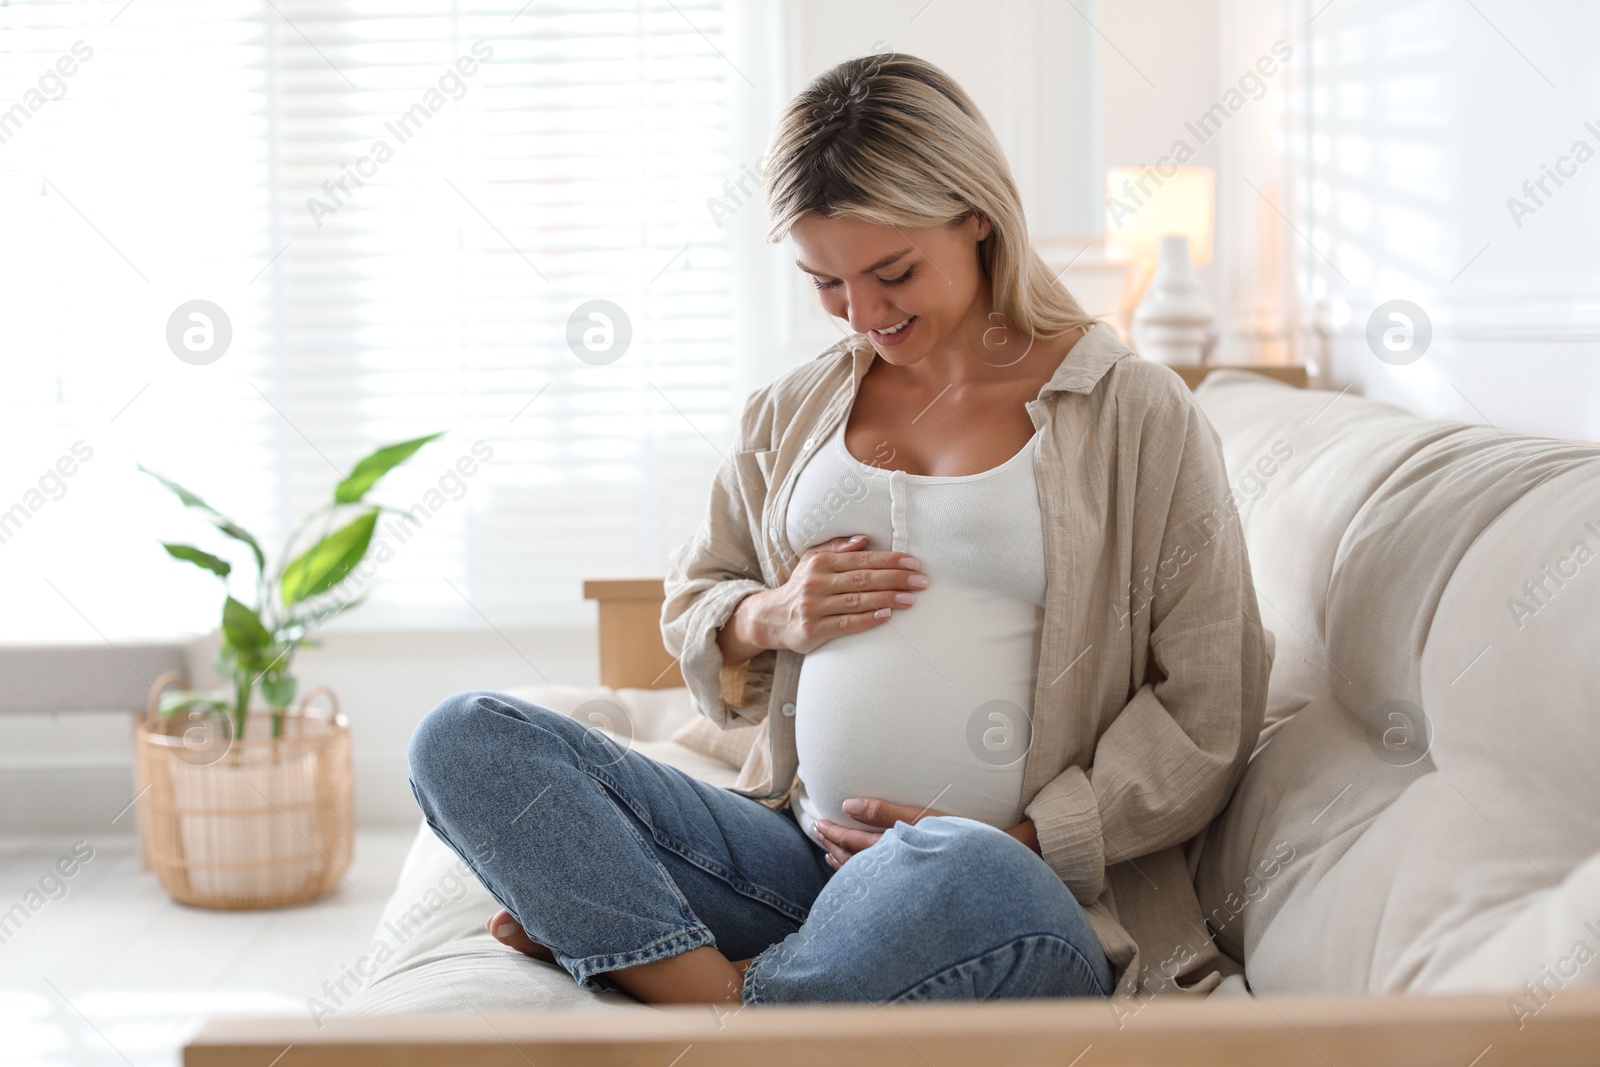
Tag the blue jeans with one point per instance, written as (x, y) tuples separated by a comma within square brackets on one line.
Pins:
[(612, 859)]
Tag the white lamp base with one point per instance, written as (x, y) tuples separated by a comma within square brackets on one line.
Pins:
[(1174, 323)]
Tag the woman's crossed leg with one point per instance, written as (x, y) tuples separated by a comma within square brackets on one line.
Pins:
[(638, 876)]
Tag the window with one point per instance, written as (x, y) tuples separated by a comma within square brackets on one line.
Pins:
[(406, 213)]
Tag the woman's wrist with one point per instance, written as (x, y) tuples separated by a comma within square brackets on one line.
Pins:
[(741, 637), (1027, 833)]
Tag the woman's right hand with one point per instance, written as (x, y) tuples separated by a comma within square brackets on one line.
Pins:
[(838, 588)]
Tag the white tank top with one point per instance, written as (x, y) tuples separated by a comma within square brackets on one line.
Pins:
[(930, 707)]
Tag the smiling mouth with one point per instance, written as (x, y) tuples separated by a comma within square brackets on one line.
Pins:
[(890, 331)]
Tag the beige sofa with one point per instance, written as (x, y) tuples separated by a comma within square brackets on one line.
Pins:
[(1420, 815), (1433, 727)]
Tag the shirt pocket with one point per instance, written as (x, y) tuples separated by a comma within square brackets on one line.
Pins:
[(764, 459)]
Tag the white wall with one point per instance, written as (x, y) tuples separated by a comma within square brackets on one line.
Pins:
[(1157, 63), (1377, 166), (1411, 124), (1164, 64)]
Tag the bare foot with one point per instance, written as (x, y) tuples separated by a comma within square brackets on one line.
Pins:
[(506, 930)]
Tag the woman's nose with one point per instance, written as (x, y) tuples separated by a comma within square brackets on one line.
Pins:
[(865, 314)]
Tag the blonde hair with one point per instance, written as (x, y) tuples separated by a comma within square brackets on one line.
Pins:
[(891, 139)]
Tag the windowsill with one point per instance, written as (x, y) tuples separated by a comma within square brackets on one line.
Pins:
[(48, 678), (425, 620)]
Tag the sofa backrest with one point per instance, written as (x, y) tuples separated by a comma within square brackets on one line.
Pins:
[(1387, 550)]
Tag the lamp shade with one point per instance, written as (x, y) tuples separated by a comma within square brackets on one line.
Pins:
[(1145, 204)]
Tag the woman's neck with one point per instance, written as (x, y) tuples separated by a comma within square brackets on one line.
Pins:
[(962, 363)]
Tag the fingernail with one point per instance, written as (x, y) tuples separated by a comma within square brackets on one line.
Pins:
[(505, 929), (854, 806), (911, 563)]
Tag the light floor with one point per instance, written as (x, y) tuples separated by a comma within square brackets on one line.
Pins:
[(113, 972)]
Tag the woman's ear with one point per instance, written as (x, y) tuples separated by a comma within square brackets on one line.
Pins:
[(985, 227)]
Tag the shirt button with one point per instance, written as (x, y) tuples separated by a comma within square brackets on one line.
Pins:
[(788, 710), (807, 445)]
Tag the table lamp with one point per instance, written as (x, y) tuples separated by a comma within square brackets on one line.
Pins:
[(1161, 218)]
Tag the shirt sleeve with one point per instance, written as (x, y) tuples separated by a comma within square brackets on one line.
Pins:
[(1170, 760), (707, 576)]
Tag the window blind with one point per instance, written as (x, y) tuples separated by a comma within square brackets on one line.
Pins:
[(488, 219)]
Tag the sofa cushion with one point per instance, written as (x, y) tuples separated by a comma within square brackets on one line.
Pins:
[(1401, 825), (730, 746), (639, 714), (1405, 543), (1307, 801), (1302, 463), (431, 953), (1511, 683)]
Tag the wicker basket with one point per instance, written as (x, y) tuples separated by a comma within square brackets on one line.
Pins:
[(245, 822)]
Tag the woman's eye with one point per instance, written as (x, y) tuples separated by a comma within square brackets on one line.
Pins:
[(820, 284), (900, 280)]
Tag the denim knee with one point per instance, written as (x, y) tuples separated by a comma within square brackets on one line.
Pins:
[(964, 862), (446, 737), (942, 909), (984, 871), (468, 728), (961, 842)]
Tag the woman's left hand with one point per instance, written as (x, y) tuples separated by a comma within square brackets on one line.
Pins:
[(844, 841)]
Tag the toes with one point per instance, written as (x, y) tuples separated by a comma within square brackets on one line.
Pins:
[(506, 930)]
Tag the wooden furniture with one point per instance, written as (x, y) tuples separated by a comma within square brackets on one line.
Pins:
[(1468, 1030), (631, 653), (1304, 1030), (1290, 374)]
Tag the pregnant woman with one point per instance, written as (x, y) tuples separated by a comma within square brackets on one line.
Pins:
[(973, 577)]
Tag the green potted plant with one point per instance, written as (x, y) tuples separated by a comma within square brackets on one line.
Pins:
[(242, 810), (258, 643)]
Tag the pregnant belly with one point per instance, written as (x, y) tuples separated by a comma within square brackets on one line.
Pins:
[(929, 709)]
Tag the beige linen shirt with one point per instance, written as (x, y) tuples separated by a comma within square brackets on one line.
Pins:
[(1152, 661)]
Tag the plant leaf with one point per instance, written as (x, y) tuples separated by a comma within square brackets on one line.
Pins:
[(278, 691), (329, 561), (219, 567), (223, 523), (369, 470), (243, 628), (188, 498), (174, 700), (238, 533)]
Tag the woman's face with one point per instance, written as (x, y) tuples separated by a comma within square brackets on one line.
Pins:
[(925, 281)]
